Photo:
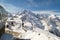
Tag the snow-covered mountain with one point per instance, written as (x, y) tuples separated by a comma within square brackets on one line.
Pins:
[(32, 18), (34, 24), (42, 21)]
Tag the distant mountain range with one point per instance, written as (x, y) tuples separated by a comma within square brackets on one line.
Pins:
[(43, 21), (46, 22)]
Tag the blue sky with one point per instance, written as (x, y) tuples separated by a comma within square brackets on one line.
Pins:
[(35, 5)]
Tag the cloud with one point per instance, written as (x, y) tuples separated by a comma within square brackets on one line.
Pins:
[(11, 8), (46, 12), (40, 3)]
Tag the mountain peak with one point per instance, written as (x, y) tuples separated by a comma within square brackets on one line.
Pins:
[(24, 11)]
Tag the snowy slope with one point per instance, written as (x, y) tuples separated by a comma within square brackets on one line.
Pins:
[(39, 34)]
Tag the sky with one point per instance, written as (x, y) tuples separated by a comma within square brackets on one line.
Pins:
[(34, 5)]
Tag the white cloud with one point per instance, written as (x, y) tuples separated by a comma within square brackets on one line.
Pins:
[(37, 4), (11, 8), (46, 12)]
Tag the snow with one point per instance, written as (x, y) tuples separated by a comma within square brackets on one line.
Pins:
[(40, 27), (39, 34), (52, 16), (45, 24)]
